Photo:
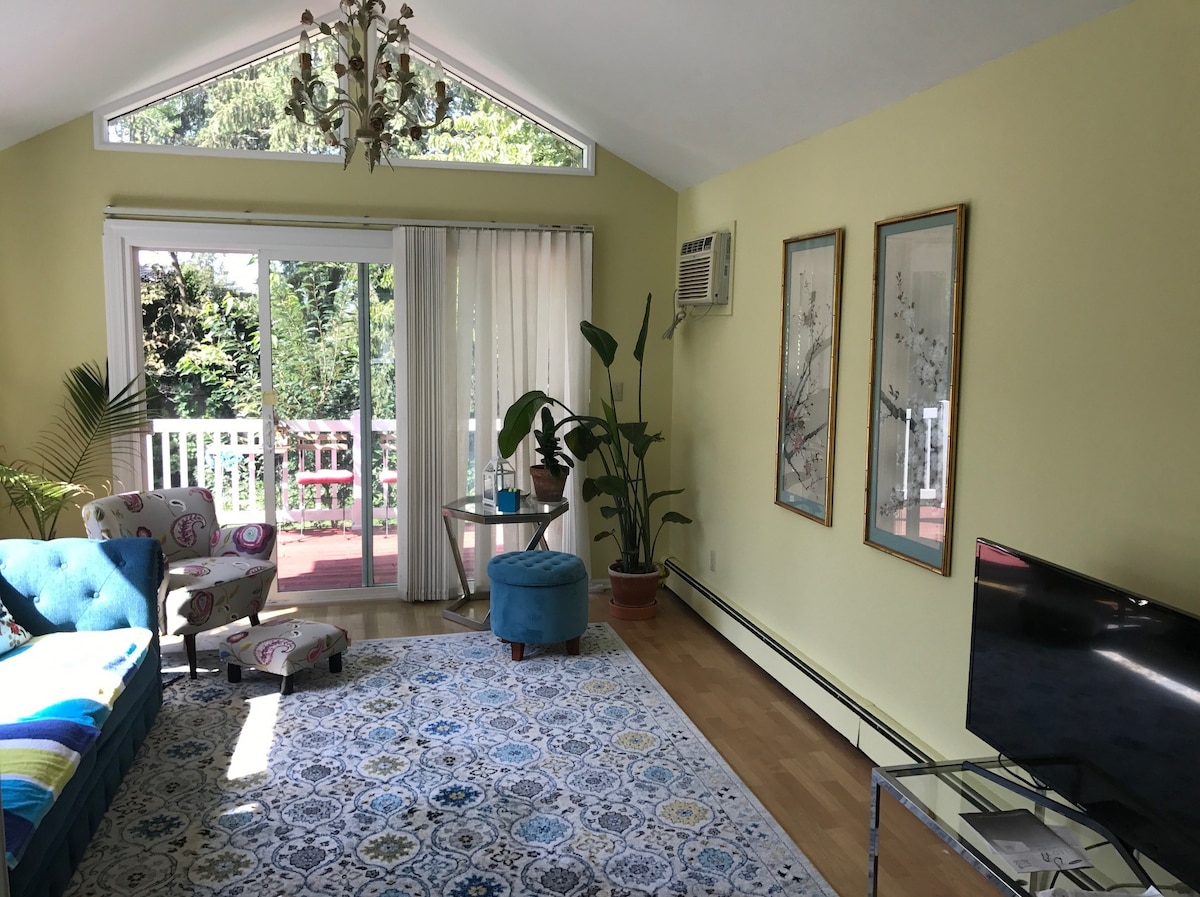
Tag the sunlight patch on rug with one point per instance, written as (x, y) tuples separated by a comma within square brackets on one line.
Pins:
[(252, 751), (435, 765)]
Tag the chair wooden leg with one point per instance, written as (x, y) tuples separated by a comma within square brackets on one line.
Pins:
[(518, 650), (335, 663), (254, 619), (573, 645), (233, 672), (189, 643), (285, 687)]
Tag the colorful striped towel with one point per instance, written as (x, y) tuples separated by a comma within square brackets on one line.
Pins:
[(38, 758), (58, 690)]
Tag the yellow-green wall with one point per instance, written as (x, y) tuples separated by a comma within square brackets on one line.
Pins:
[(1077, 424), (1078, 428), (54, 188)]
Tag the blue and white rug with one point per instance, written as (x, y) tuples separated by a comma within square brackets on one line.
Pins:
[(436, 766)]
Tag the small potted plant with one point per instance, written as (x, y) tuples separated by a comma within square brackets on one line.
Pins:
[(549, 477)]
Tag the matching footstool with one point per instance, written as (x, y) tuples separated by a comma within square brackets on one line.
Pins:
[(284, 647), (538, 598)]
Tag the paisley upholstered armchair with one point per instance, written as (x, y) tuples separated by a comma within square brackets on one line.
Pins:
[(216, 575)]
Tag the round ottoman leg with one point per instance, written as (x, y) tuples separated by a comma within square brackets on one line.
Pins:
[(573, 645), (518, 650)]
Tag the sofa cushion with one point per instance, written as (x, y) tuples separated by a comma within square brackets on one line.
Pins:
[(12, 633)]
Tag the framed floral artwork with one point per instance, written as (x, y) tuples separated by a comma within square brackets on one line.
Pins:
[(915, 360), (812, 295)]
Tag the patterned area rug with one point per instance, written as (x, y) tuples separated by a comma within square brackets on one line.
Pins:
[(437, 766)]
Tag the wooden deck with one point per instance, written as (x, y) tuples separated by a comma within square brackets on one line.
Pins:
[(331, 559), (327, 558)]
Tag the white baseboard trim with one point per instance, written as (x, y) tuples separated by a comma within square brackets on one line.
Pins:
[(878, 736)]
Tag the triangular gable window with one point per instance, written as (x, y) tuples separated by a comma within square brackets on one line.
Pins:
[(237, 108), (241, 109)]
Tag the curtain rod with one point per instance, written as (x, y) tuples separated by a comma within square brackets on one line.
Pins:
[(346, 221)]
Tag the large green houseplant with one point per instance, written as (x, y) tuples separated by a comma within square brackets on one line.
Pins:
[(74, 450), (621, 447)]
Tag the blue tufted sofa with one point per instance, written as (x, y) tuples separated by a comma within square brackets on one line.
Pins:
[(85, 588)]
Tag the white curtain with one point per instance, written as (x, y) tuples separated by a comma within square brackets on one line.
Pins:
[(510, 303), (426, 418), (521, 297)]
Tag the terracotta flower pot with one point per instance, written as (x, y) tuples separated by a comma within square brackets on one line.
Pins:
[(634, 595), (546, 486)]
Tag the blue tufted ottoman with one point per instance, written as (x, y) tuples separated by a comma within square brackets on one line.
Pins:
[(538, 598)]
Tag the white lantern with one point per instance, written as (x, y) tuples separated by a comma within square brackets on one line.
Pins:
[(498, 475)]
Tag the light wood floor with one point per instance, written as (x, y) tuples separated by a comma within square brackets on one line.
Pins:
[(813, 781)]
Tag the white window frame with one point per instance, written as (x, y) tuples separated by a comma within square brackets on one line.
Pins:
[(122, 288), (102, 116)]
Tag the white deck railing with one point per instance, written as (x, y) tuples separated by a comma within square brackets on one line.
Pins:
[(225, 456)]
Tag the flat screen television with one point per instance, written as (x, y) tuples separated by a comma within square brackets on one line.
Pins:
[(1095, 692)]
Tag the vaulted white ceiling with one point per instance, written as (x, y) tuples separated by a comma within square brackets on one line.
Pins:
[(683, 89)]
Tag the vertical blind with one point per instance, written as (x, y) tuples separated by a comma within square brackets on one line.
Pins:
[(511, 303)]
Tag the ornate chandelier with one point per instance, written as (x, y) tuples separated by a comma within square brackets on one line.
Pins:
[(381, 103)]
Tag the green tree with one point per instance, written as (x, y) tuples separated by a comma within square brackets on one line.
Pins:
[(483, 130), (200, 336), (314, 338), (244, 110)]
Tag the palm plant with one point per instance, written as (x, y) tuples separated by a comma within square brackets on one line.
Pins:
[(621, 448), (74, 450)]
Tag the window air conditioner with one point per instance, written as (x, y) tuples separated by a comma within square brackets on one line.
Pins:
[(704, 270)]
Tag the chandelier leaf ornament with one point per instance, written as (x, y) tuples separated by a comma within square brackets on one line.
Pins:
[(379, 103)]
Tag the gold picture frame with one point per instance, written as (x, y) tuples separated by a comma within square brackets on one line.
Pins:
[(808, 361), (915, 364)]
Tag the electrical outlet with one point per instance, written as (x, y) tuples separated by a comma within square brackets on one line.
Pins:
[(712, 560), (618, 390)]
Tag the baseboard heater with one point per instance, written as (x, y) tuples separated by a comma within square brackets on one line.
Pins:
[(863, 713)]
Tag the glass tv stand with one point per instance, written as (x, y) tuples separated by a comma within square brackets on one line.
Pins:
[(939, 793)]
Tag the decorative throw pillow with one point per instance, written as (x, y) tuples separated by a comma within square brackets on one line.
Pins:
[(12, 633)]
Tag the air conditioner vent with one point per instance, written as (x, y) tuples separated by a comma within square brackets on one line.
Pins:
[(704, 270), (700, 244)]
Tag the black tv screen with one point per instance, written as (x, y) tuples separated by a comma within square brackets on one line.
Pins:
[(1095, 691)]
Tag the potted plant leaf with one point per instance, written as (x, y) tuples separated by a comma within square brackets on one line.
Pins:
[(549, 477), (621, 483), (74, 451)]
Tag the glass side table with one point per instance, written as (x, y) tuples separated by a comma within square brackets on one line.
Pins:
[(939, 793), (472, 510)]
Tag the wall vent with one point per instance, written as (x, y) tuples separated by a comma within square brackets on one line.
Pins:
[(704, 270)]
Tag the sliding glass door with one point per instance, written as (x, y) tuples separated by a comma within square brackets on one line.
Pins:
[(333, 380), (272, 350)]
